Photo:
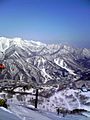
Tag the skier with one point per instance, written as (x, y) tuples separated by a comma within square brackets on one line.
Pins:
[(58, 111)]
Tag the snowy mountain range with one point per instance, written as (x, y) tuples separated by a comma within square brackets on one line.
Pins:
[(32, 61), (61, 70)]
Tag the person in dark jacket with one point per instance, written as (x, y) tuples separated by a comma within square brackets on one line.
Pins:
[(58, 111)]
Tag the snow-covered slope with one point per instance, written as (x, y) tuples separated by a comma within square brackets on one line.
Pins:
[(7, 115), (35, 61), (61, 63), (22, 113), (28, 113)]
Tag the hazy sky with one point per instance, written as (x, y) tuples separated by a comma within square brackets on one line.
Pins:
[(48, 21)]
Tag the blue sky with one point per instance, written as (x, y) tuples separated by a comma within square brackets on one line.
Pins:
[(48, 21)]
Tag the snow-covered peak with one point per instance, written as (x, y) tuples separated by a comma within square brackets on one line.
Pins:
[(17, 41), (7, 42), (37, 43)]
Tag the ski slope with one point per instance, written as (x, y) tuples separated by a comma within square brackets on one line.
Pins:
[(7, 115), (18, 112)]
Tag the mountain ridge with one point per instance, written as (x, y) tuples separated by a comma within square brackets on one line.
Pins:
[(40, 63)]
